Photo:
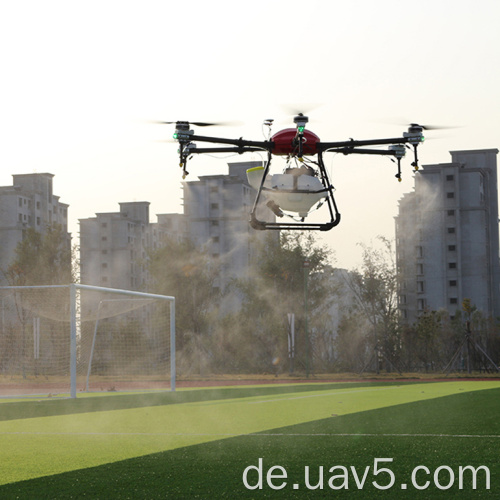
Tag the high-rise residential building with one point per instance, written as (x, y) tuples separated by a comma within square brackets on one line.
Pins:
[(28, 203), (217, 209), (114, 246), (447, 239)]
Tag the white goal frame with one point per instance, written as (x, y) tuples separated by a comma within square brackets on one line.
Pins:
[(73, 288)]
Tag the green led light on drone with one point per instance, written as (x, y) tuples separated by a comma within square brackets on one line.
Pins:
[(176, 135), (301, 129)]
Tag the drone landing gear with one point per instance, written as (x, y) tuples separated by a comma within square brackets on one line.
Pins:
[(284, 226), (276, 209)]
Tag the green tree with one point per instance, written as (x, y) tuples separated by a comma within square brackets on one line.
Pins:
[(374, 287), (281, 284), (352, 345), (183, 270), (42, 259), (429, 335)]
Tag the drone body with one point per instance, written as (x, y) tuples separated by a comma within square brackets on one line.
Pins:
[(284, 142), (303, 185)]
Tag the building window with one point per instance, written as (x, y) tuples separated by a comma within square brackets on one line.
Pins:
[(453, 300), (214, 206), (453, 282), (451, 212), (420, 252), (214, 223), (420, 269), (450, 195), (452, 248), (450, 177), (421, 304), (451, 230), (20, 202), (420, 286), (452, 265)]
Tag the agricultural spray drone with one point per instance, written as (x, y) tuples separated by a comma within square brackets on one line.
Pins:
[(304, 185)]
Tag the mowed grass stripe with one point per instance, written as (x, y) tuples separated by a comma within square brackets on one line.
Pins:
[(95, 402), (214, 470), (260, 434), (48, 445)]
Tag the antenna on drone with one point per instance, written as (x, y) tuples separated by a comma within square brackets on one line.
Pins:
[(269, 124)]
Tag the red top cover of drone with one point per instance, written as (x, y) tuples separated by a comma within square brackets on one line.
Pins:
[(283, 142)]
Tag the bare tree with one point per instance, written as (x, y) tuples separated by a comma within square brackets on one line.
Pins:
[(374, 287)]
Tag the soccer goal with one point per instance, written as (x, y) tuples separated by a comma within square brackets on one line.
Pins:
[(66, 339)]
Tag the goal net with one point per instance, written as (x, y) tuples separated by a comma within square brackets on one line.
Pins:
[(68, 339)]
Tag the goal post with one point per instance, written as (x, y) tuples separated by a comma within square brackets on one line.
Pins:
[(57, 338)]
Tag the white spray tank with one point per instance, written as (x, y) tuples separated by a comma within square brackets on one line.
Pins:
[(297, 190)]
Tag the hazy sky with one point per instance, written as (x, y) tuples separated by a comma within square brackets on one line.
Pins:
[(80, 79)]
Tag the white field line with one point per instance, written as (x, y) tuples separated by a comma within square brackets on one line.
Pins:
[(259, 434)]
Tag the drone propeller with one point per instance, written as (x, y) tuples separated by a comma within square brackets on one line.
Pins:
[(200, 124), (302, 110), (428, 127)]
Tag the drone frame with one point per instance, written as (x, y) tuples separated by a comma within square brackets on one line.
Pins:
[(297, 148), (330, 200)]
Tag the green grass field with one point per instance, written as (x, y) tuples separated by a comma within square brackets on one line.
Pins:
[(318, 440)]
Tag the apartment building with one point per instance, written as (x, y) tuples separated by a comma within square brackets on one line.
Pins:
[(28, 203), (447, 241), (217, 208), (114, 246)]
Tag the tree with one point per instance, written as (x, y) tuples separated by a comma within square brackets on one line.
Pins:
[(374, 286), (351, 342), (281, 284), (181, 269), (42, 259), (429, 335)]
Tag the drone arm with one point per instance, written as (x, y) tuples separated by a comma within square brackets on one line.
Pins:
[(352, 147), (351, 144), (187, 146), (348, 151), (241, 143), (235, 149)]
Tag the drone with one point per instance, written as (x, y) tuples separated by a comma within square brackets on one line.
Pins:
[(304, 184)]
